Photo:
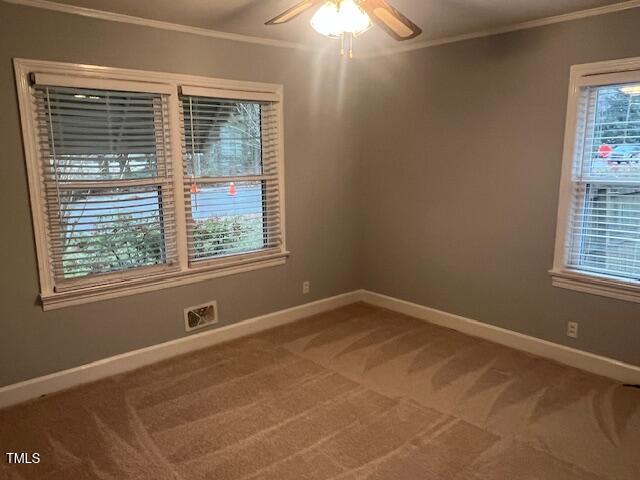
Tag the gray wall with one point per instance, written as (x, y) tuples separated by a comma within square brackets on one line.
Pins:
[(461, 149), (320, 167)]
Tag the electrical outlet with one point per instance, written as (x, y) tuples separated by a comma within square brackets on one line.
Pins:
[(306, 287), (572, 329)]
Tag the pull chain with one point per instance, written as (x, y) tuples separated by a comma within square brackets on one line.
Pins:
[(351, 45), (346, 44)]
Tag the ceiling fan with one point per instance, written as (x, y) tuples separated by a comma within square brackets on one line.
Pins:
[(346, 19)]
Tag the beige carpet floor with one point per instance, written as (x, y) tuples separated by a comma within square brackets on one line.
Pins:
[(357, 393)]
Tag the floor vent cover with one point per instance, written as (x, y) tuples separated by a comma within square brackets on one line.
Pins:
[(200, 316)]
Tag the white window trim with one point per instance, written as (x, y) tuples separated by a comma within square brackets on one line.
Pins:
[(155, 80), (599, 73)]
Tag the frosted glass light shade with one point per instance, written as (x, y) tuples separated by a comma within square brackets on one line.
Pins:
[(334, 19)]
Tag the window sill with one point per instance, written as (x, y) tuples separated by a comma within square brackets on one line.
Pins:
[(52, 301), (597, 285)]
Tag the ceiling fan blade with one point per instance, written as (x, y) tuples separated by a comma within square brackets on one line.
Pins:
[(390, 19), (294, 11)]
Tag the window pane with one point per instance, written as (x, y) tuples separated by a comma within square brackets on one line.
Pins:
[(108, 230), (101, 135), (228, 219), (223, 137), (610, 234), (612, 138)]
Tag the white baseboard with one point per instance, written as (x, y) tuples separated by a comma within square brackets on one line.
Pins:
[(36, 387), (607, 367)]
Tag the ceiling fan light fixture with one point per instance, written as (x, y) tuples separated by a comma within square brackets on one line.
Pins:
[(346, 19), (334, 19)]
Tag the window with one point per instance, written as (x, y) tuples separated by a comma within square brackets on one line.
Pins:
[(598, 245), (141, 180), (106, 182), (230, 175)]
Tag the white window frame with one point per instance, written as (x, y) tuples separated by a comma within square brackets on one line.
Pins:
[(95, 77), (591, 74)]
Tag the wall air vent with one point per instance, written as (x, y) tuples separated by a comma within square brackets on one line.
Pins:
[(200, 316)]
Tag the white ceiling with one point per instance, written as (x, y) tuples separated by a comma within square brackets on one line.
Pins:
[(437, 18)]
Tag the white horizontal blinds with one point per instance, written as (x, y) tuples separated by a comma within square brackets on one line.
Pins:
[(604, 225), (231, 176), (107, 182)]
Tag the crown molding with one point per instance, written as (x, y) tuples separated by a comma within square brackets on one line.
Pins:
[(541, 22), (176, 27), (145, 22)]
